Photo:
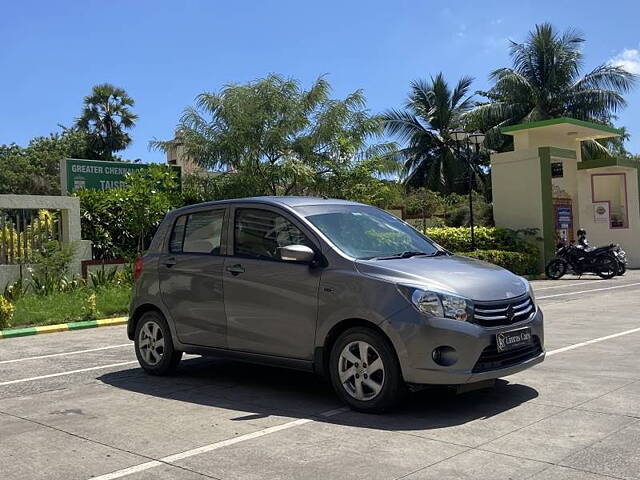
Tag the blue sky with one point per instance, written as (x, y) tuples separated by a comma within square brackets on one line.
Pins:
[(165, 53)]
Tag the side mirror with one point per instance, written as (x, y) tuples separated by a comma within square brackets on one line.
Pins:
[(297, 253)]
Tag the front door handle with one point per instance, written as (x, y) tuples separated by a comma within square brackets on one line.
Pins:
[(169, 262), (235, 269)]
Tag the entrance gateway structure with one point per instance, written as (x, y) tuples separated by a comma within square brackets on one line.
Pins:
[(544, 183)]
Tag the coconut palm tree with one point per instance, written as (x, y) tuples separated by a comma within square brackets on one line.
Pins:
[(105, 116), (545, 82), (432, 112)]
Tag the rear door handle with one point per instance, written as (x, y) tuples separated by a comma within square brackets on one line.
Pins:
[(169, 262), (235, 269)]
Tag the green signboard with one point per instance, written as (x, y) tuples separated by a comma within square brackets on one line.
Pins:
[(76, 174)]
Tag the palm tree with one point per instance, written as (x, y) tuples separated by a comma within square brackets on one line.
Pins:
[(545, 82), (432, 112), (105, 116)]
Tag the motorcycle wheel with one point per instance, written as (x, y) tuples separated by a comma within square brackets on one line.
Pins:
[(555, 269), (622, 268), (608, 268)]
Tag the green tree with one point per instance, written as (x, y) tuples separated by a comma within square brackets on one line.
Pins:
[(106, 116), (432, 111), (35, 169), (545, 82), (272, 137)]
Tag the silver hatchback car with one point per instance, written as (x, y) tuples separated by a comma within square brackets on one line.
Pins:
[(334, 287)]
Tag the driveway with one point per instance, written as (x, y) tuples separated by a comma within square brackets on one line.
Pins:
[(75, 405)]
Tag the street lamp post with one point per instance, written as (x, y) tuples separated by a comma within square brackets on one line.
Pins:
[(475, 138)]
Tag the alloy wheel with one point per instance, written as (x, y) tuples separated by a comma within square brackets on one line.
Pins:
[(361, 370), (151, 343)]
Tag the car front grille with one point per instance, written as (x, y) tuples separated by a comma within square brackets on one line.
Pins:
[(491, 359), (506, 312)]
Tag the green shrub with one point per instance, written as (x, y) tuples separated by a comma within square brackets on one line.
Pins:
[(121, 222), (104, 277), (518, 263), (89, 307), (51, 264), (13, 291), (6, 312), (458, 239)]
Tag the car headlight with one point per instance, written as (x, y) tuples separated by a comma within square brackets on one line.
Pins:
[(438, 304)]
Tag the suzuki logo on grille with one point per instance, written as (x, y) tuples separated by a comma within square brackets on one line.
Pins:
[(510, 313)]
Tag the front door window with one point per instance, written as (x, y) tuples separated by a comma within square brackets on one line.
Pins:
[(261, 234)]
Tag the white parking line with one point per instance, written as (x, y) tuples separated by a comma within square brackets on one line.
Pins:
[(561, 285), (213, 446), (70, 372), (589, 342), (75, 352), (587, 291)]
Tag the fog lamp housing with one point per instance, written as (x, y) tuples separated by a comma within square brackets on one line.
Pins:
[(444, 355)]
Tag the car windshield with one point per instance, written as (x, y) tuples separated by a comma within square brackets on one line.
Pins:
[(366, 232)]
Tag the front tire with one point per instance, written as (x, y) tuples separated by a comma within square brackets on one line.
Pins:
[(608, 267), (556, 269), (154, 345), (365, 372)]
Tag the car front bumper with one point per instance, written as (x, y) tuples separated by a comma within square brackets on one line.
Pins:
[(415, 337)]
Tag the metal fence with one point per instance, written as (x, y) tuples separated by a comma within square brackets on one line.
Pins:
[(24, 231)]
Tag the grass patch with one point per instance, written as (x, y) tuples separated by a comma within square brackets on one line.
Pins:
[(32, 310)]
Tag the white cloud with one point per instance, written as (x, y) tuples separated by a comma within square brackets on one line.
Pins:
[(629, 59), (462, 30)]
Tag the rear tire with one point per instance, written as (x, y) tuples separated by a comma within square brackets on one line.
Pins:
[(608, 267), (154, 345), (556, 269), (365, 372)]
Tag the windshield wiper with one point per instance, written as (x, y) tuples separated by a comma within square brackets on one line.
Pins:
[(440, 253), (407, 254)]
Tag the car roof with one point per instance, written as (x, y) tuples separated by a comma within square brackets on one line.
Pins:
[(289, 201)]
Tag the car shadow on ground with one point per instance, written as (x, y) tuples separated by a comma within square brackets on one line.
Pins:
[(256, 391)]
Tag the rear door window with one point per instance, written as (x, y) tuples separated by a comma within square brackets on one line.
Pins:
[(199, 232)]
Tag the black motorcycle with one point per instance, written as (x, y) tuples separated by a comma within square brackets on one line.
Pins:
[(570, 258)]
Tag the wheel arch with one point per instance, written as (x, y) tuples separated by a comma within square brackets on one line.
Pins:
[(134, 318), (323, 352)]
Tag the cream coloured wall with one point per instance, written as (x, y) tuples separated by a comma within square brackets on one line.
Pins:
[(516, 185), (530, 139), (600, 233)]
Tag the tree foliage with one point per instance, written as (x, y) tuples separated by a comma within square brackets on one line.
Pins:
[(273, 137), (545, 81), (106, 115), (35, 169), (432, 112), (425, 207)]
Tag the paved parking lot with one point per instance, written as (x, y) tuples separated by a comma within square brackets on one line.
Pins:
[(75, 405)]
